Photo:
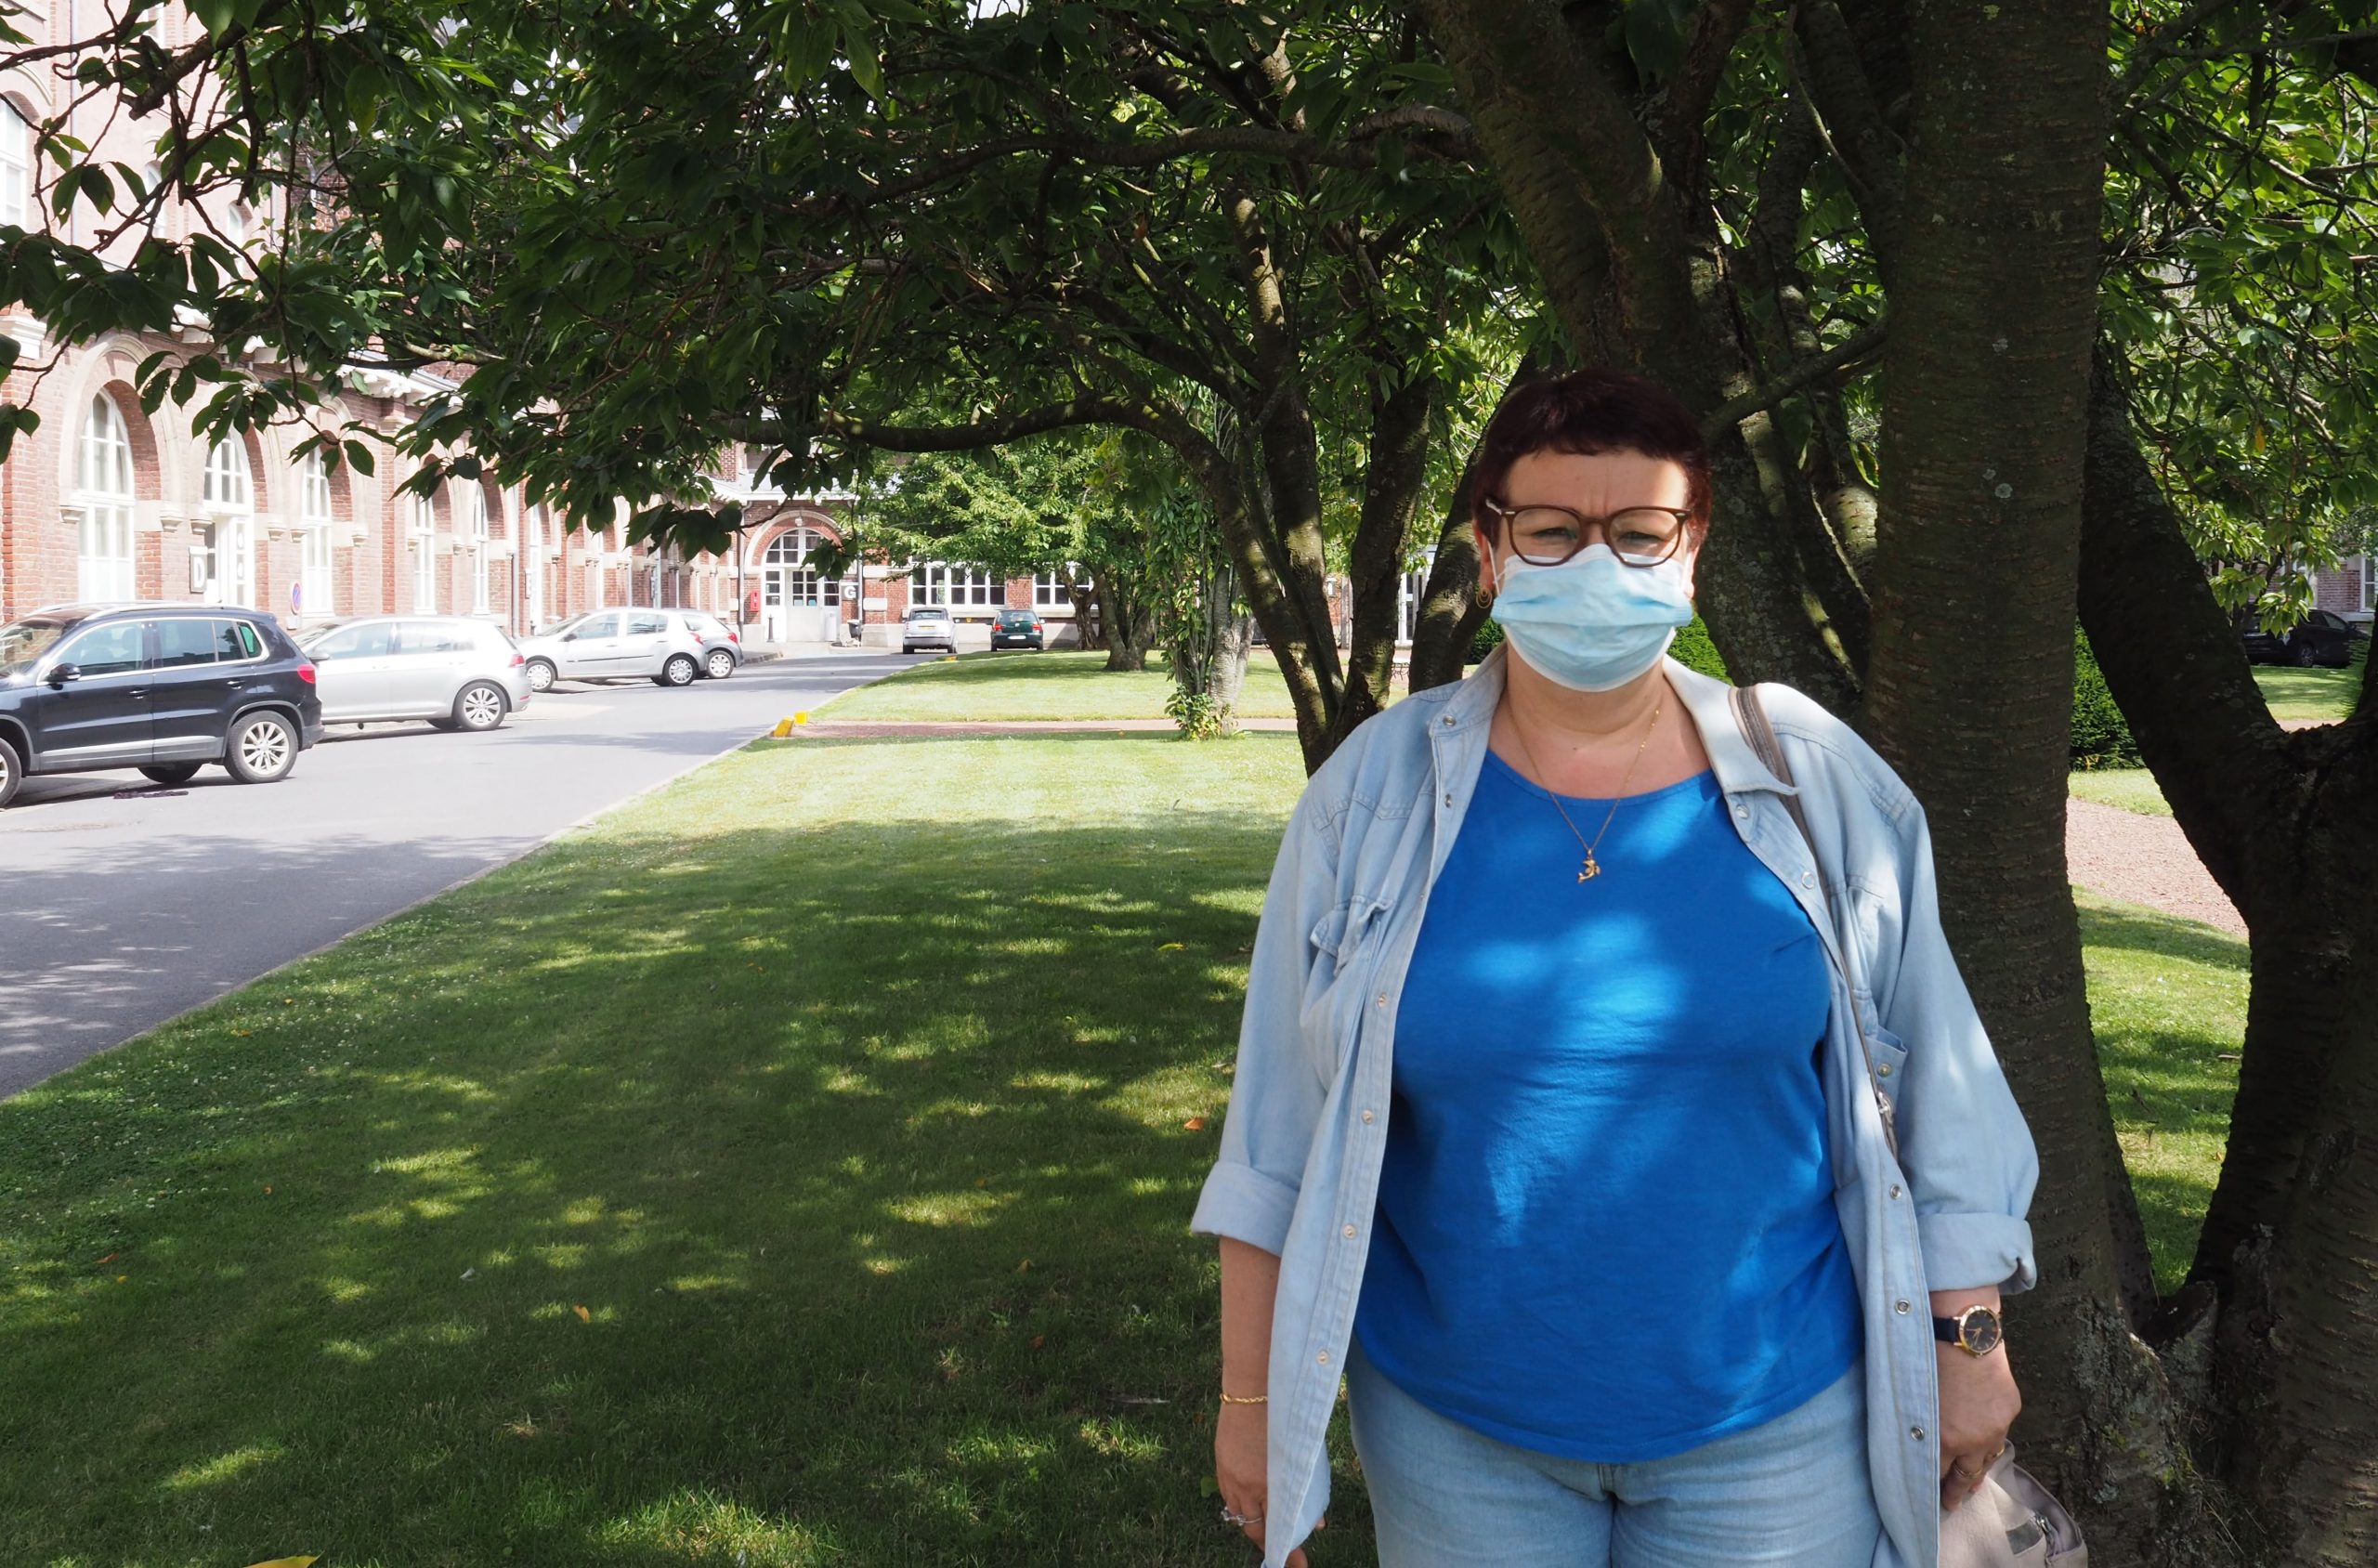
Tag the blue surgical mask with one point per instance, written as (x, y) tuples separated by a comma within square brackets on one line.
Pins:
[(1592, 623)]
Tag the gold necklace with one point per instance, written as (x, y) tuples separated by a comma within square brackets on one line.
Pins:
[(1590, 868)]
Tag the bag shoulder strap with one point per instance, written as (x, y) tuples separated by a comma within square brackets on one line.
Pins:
[(1750, 713)]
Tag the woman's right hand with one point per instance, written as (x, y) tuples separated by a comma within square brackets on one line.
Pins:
[(1241, 1448)]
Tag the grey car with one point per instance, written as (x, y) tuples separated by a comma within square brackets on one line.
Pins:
[(617, 644), (722, 650), (451, 671)]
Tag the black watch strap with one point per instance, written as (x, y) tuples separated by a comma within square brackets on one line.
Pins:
[(1948, 1330)]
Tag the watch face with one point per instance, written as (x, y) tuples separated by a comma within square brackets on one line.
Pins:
[(1978, 1330)]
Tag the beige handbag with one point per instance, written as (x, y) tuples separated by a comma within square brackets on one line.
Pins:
[(2011, 1521)]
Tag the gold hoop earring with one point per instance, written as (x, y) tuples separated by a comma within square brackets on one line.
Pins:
[(1485, 595)]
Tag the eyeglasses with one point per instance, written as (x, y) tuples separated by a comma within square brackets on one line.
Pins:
[(1546, 536)]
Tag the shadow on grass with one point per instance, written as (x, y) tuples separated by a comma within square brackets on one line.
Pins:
[(815, 1194), (2134, 929)]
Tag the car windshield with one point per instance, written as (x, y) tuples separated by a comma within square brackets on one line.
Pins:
[(23, 642), (561, 626), (313, 634)]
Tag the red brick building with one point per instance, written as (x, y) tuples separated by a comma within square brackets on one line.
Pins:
[(104, 502)]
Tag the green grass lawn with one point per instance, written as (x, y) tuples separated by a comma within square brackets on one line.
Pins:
[(2312, 694), (2167, 998), (2129, 788), (790, 1170), (1058, 685)]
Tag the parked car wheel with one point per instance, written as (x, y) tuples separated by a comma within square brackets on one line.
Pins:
[(263, 748), (722, 664), (2307, 656), (681, 670), (11, 772), (480, 707), (540, 675), (171, 773)]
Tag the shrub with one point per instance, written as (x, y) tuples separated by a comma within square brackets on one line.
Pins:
[(2100, 734), (1693, 649), (1485, 640)]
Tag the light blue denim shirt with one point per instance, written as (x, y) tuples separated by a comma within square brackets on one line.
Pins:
[(1298, 1170)]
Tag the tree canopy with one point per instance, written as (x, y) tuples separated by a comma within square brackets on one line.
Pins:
[(1991, 312)]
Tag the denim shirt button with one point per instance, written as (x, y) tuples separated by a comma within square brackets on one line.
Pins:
[(1894, 1189), (1349, 1231), (1447, 722), (1915, 1432), (1324, 1359), (1366, 1116), (1808, 879), (1448, 800), (1900, 1307)]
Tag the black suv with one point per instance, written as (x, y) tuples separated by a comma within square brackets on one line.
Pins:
[(2322, 637), (164, 688)]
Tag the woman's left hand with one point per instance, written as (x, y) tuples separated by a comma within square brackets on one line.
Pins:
[(1979, 1403)]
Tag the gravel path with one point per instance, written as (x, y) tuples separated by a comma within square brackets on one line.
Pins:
[(2143, 860)]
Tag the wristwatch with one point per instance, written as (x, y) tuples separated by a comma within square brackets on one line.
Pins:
[(1975, 1330)]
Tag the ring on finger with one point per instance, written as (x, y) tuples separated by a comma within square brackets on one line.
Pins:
[(1238, 1520)]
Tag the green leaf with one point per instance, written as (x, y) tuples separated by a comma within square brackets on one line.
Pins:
[(359, 457)]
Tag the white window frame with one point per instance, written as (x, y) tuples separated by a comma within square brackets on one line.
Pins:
[(423, 526), (476, 506), (227, 492), (16, 165), (314, 571), (1411, 593), (104, 493), (956, 586), (1050, 592), (2368, 598)]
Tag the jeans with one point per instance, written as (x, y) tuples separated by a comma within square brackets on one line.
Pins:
[(1792, 1493)]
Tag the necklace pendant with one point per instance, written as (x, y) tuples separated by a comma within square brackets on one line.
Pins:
[(1590, 869)]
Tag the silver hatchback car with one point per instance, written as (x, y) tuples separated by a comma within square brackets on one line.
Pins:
[(721, 650), (453, 672), (610, 644)]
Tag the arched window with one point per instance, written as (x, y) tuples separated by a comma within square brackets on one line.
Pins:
[(314, 587), (16, 167), (793, 579), (424, 530), (103, 565), (230, 495)]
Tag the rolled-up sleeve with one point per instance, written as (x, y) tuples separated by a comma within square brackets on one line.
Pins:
[(1275, 1096), (1963, 1144)]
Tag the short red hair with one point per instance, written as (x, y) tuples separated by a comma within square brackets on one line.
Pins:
[(1586, 413)]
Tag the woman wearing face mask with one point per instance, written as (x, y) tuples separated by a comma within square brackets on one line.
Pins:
[(1609, 1113)]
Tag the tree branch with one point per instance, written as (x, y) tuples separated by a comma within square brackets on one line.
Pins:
[(1866, 340)]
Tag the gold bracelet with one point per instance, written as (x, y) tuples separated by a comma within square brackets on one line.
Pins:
[(1246, 1399)]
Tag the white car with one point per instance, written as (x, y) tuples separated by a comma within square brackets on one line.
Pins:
[(928, 627), (614, 645), (455, 672), (721, 650)]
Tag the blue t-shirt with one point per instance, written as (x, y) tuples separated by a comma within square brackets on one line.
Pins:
[(1605, 1223)]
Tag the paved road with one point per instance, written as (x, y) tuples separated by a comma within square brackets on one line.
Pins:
[(121, 905)]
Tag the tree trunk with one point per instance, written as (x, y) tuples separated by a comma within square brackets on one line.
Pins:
[(1986, 393), (1396, 468), (2281, 1287), (1636, 284)]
